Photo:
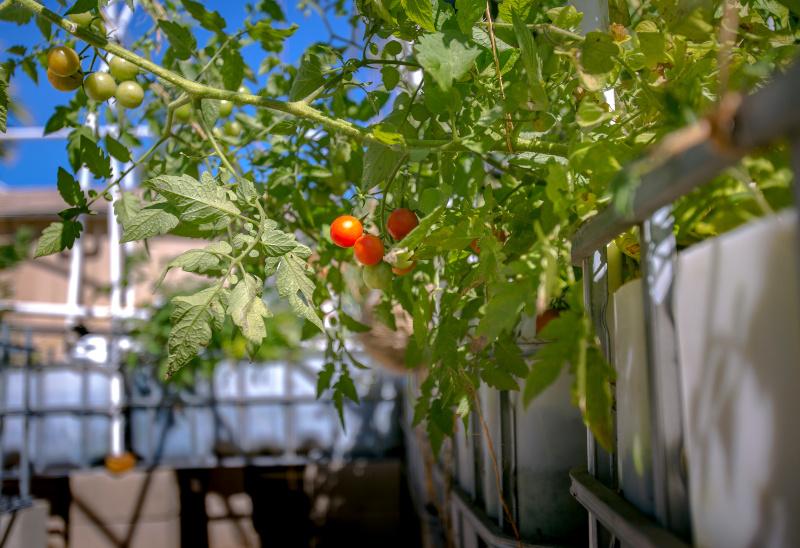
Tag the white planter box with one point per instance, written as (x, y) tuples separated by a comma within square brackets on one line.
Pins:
[(737, 309)]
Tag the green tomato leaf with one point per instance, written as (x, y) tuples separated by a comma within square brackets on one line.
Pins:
[(3, 98), (69, 189), (590, 114), (248, 310), (196, 202), (352, 324), (139, 221), (598, 52), (200, 261), (232, 69), (191, 319), (117, 149), (210, 20), (446, 56), (277, 243), (421, 12), (532, 63), (309, 78), (57, 237), (324, 378), (497, 377), (180, 38), (380, 162), (295, 285), (509, 8), (469, 12)]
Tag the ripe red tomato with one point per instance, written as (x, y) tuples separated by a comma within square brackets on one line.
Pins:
[(368, 249), (403, 271), (401, 222), (545, 318), (345, 230)]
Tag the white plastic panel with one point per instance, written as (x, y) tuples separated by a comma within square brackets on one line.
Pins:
[(634, 455), (550, 440), (738, 317)]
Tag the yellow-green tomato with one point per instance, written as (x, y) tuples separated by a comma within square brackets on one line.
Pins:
[(243, 89), (225, 108), (63, 61), (232, 128), (378, 276), (184, 113), (65, 83), (100, 86), (122, 69), (86, 18), (129, 94)]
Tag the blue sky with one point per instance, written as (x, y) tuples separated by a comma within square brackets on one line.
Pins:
[(34, 163)]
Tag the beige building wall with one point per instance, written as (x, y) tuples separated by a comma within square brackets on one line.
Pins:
[(45, 279)]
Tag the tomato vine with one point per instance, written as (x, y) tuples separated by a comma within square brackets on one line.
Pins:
[(488, 123)]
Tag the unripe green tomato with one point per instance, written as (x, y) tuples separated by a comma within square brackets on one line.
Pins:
[(122, 69), (184, 113), (217, 132), (378, 276), (129, 94), (86, 18), (63, 61), (225, 108), (243, 89), (65, 83), (232, 128), (100, 86)]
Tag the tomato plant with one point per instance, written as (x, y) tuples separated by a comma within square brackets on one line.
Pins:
[(504, 122)]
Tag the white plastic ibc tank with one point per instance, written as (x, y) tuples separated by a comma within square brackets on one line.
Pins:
[(550, 439), (634, 453), (738, 317)]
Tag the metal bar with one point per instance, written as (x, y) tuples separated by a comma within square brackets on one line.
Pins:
[(659, 257), (508, 455), (5, 342), (619, 516), (62, 310), (36, 133), (483, 525), (795, 153), (24, 460), (691, 158)]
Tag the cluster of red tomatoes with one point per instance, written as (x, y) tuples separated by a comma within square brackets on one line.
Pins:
[(65, 74), (347, 231)]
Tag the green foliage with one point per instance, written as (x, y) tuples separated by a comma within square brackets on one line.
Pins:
[(500, 174)]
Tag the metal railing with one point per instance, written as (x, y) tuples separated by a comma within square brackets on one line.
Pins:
[(684, 161)]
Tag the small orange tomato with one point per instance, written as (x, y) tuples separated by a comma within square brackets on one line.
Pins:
[(345, 230), (368, 249), (404, 271), (401, 222)]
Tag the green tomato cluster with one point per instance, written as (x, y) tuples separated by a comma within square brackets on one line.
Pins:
[(65, 74)]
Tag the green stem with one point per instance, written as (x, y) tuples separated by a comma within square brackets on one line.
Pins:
[(210, 136), (298, 109)]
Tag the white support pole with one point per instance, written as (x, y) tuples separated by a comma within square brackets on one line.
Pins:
[(74, 285)]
